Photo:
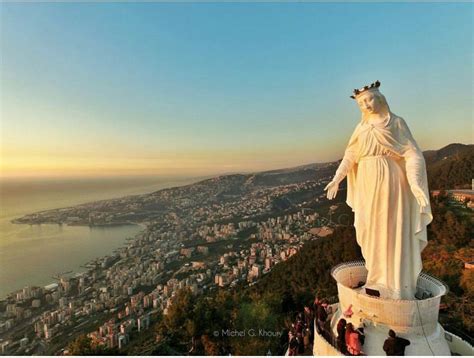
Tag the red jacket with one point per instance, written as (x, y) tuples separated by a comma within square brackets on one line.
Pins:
[(353, 344)]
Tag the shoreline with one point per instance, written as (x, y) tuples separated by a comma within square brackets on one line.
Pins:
[(113, 224), (135, 191), (87, 265)]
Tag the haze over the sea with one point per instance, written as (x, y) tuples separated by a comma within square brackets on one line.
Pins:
[(33, 254)]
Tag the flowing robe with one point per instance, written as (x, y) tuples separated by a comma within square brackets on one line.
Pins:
[(382, 162)]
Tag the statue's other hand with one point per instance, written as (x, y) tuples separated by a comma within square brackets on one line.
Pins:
[(332, 189), (420, 196)]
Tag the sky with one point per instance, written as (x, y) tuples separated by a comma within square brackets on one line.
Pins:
[(187, 89)]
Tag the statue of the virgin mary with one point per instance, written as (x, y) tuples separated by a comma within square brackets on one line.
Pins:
[(388, 191)]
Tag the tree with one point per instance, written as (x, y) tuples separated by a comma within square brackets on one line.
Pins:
[(179, 314), (260, 327), (82, 346), (467, 283)]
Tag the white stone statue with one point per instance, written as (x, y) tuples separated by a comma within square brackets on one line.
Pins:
[(388, 191)]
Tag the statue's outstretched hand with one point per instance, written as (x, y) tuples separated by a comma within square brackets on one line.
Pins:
[(332, 189), (420, 196)]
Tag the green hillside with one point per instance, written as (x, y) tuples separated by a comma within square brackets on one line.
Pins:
[(212, 324)]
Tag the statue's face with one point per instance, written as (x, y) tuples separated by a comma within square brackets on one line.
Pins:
[(369, 103)]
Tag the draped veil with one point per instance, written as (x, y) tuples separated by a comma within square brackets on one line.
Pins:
[(396, 138)]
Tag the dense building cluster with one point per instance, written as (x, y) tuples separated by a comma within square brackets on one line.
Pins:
[(208, 236)]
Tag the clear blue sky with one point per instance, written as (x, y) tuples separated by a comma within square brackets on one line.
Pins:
[(208, 88)]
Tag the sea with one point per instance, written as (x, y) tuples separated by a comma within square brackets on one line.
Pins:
[(33, 255)]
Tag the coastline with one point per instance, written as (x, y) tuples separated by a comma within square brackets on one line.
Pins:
[(64, 248), (46, 249), (124, 223)]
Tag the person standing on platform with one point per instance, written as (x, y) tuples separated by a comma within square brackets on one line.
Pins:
[(395, 346)]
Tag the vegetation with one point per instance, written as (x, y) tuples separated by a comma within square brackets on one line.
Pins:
[(454, 171), (275, 299), (223, 322), (83, 346), (218, 323), (450, 246), (254, 320)]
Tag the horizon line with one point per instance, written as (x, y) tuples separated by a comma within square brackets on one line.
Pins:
[(176, 176)]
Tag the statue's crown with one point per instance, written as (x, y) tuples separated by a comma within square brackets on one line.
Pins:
[(371, 87)]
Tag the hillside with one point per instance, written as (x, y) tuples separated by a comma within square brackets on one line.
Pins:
[(451, 167), (451, 150), (272, 303)]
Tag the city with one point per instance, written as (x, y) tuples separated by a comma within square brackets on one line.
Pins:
[(220, 232)]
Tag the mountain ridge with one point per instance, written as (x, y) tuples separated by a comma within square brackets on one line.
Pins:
[(449, 167), (431, 156)]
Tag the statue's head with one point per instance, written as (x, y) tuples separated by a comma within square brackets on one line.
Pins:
[(370, 100)]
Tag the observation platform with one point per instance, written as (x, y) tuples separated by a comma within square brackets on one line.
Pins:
[(415, 320)]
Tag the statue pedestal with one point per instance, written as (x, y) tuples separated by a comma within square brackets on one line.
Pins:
[(415, 320)]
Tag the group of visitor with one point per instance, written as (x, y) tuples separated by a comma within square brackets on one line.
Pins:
[(321, 310), (350, 341), (301, 334)]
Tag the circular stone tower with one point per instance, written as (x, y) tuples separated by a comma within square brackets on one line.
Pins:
[(415, 320)]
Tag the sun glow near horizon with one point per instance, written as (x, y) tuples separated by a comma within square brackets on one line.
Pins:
[(167, 163), (188, 89)]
